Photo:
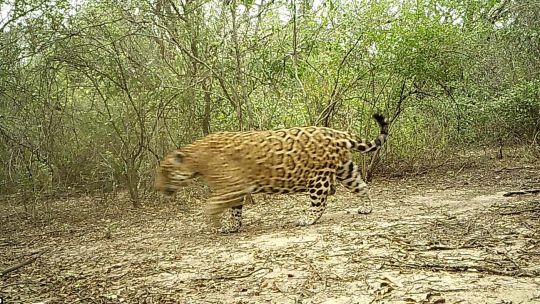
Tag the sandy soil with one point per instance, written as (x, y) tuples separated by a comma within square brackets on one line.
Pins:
[(445, 237)]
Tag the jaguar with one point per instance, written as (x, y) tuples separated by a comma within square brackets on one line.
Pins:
[(294, 160)]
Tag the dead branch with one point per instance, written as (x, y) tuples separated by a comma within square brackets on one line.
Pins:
[(463, 268), (521, 211), (6, 242), (59, 231), (23, 263), (441, 247), (234, 277), (521, 192), (513, 168)]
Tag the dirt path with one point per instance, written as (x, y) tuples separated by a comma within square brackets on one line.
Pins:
[(446, 238)]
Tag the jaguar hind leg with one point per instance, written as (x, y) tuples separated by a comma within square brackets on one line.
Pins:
[(315, 211), (350, 177), (367, 207), (319, 195)]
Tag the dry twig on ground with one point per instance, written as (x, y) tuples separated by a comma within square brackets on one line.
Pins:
[(234, 277), (521, 192), (23, 263)]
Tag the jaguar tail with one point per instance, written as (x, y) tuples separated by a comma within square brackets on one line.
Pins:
[(364, 145)]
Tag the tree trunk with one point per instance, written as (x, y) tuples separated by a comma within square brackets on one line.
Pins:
[(132, 180), (207, 86)]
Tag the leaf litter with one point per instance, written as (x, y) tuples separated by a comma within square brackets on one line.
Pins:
[(428, 239)]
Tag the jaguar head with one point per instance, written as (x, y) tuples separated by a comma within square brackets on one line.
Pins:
[(173, 172)]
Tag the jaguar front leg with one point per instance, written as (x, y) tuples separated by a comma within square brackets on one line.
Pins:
[(235, 222), (217, 204)]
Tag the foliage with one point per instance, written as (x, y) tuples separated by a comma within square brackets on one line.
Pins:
[(92, 93)]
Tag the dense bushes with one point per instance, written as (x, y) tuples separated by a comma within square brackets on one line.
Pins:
[(91, 97)]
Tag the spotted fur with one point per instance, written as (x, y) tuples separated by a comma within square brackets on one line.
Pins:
[(306, 159)]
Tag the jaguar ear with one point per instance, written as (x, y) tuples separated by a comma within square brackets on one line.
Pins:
[(177, 157)]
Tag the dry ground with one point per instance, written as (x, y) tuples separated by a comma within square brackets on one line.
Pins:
[(442, 237)]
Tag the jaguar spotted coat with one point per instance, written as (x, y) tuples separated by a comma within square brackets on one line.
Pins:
[(303, 159)]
